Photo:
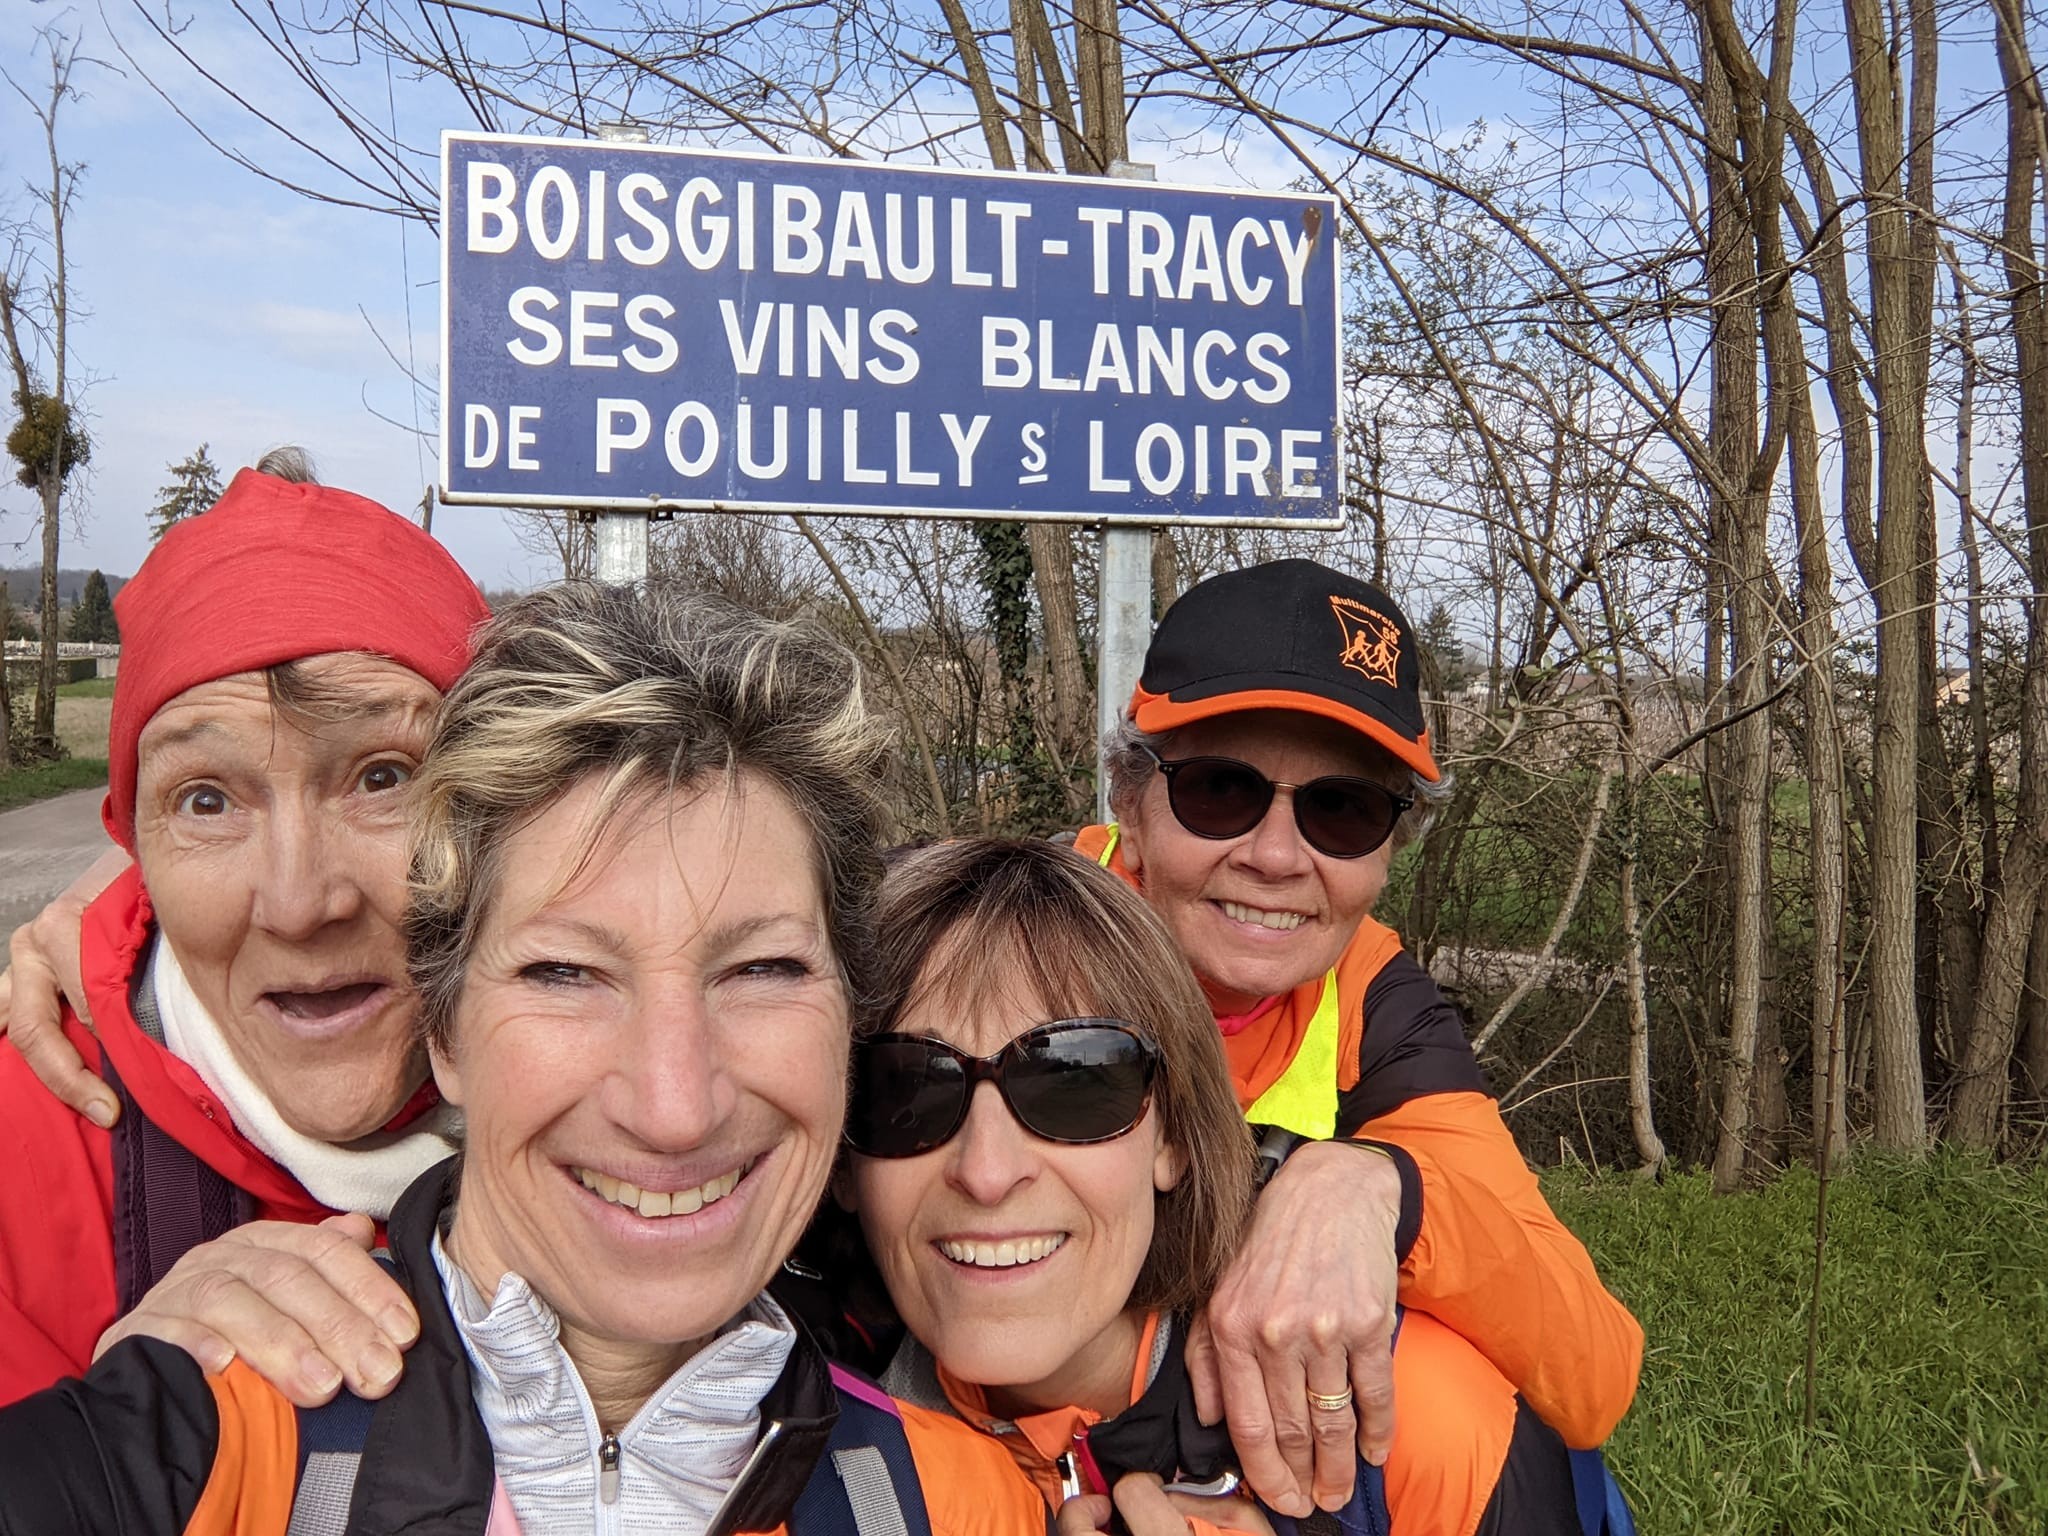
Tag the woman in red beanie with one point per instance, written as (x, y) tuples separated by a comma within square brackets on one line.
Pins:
[(283, 657)]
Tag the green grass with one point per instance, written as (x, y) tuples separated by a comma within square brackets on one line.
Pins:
[(90, 688), (1933, 1399), (46, 779)]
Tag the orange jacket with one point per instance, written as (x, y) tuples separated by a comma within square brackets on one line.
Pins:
[(1452, 1436), (1480, 1249)]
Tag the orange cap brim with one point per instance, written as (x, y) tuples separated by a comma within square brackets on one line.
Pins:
[(1155, 713)]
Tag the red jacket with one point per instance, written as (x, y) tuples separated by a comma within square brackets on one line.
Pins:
[(57, 1285)]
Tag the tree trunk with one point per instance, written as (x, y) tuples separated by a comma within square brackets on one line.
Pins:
[(1826, 844), (1846, 365), (1051, 544), (1030, 109), (1099, 67), (1900, 342), (1983, 782), (1165, 571), (43, 724), (1642, 1119), (6, 698), (1786, 365), (2034, 1014), (1052, 572), (1984, 1075), (1772, 1134), (1736, 509)]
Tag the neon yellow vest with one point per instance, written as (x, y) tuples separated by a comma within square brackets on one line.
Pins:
[(1304, 1099)]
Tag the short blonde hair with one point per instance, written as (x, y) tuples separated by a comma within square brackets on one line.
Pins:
[(649, 691), (958, 918)]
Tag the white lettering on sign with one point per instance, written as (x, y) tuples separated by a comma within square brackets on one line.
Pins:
[(520, 435), (479, 437), (720, 330), (610, 439), (1139, 252)]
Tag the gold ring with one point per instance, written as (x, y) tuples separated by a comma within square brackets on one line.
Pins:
[(1330, 1402)]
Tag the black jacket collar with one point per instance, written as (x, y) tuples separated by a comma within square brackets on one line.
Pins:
[(1161, 1432)]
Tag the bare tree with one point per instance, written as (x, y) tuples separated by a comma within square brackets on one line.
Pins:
[(1895, 144), (48, 442), (1982, 1082)]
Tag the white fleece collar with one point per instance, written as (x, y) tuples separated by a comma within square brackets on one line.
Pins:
[(368, 1174), (678, 1457)]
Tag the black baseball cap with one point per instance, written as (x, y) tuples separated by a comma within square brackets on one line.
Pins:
[(1289, 634)]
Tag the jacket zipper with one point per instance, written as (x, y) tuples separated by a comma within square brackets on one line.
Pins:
[(608, 1469)]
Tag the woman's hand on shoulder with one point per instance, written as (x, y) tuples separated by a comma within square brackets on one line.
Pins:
[(43, 974), (1147, 1509), (1306, 1311), (305, 1306)]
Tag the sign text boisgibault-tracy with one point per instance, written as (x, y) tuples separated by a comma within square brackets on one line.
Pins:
[(631, 325)]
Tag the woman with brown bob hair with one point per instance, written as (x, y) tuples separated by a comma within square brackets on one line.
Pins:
[(1052, 1173)]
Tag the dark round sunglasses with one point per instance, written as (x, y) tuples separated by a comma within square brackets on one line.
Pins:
[(1074, 1081), (1339, 815)]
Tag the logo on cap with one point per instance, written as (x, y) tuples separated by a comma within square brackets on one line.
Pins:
[(1372, 642)]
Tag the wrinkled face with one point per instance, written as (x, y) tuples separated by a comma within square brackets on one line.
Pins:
[(650, 1053), (1262, 913), (1011, 1258), (274, 852)]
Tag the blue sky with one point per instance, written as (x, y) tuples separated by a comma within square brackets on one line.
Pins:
[(215, 307)]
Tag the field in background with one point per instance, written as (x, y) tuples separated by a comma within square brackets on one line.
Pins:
[(1933, 1397), (47, 779), (84, 712)]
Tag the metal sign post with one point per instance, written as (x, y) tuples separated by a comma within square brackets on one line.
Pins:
[(620, 556), (1123, 625), (1123, 614)]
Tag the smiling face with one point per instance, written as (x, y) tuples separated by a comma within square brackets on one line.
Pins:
[(1262, 913), (273, 849), (650, 1052), (1010, 1258)]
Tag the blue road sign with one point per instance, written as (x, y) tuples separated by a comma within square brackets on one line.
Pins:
[(630, 325)]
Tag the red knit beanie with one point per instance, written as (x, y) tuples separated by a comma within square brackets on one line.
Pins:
[(274, 572)]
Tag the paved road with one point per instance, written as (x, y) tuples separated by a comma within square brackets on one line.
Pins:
[(42, 847)]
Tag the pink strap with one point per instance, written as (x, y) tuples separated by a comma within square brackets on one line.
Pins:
[(859, 1386)]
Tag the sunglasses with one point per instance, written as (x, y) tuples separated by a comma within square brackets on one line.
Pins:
[(1073, 1081), (1341, 816)]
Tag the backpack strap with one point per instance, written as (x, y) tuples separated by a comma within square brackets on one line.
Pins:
[(866, 1484), (331, 1440), (166, 1201), (1603, 1511)]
